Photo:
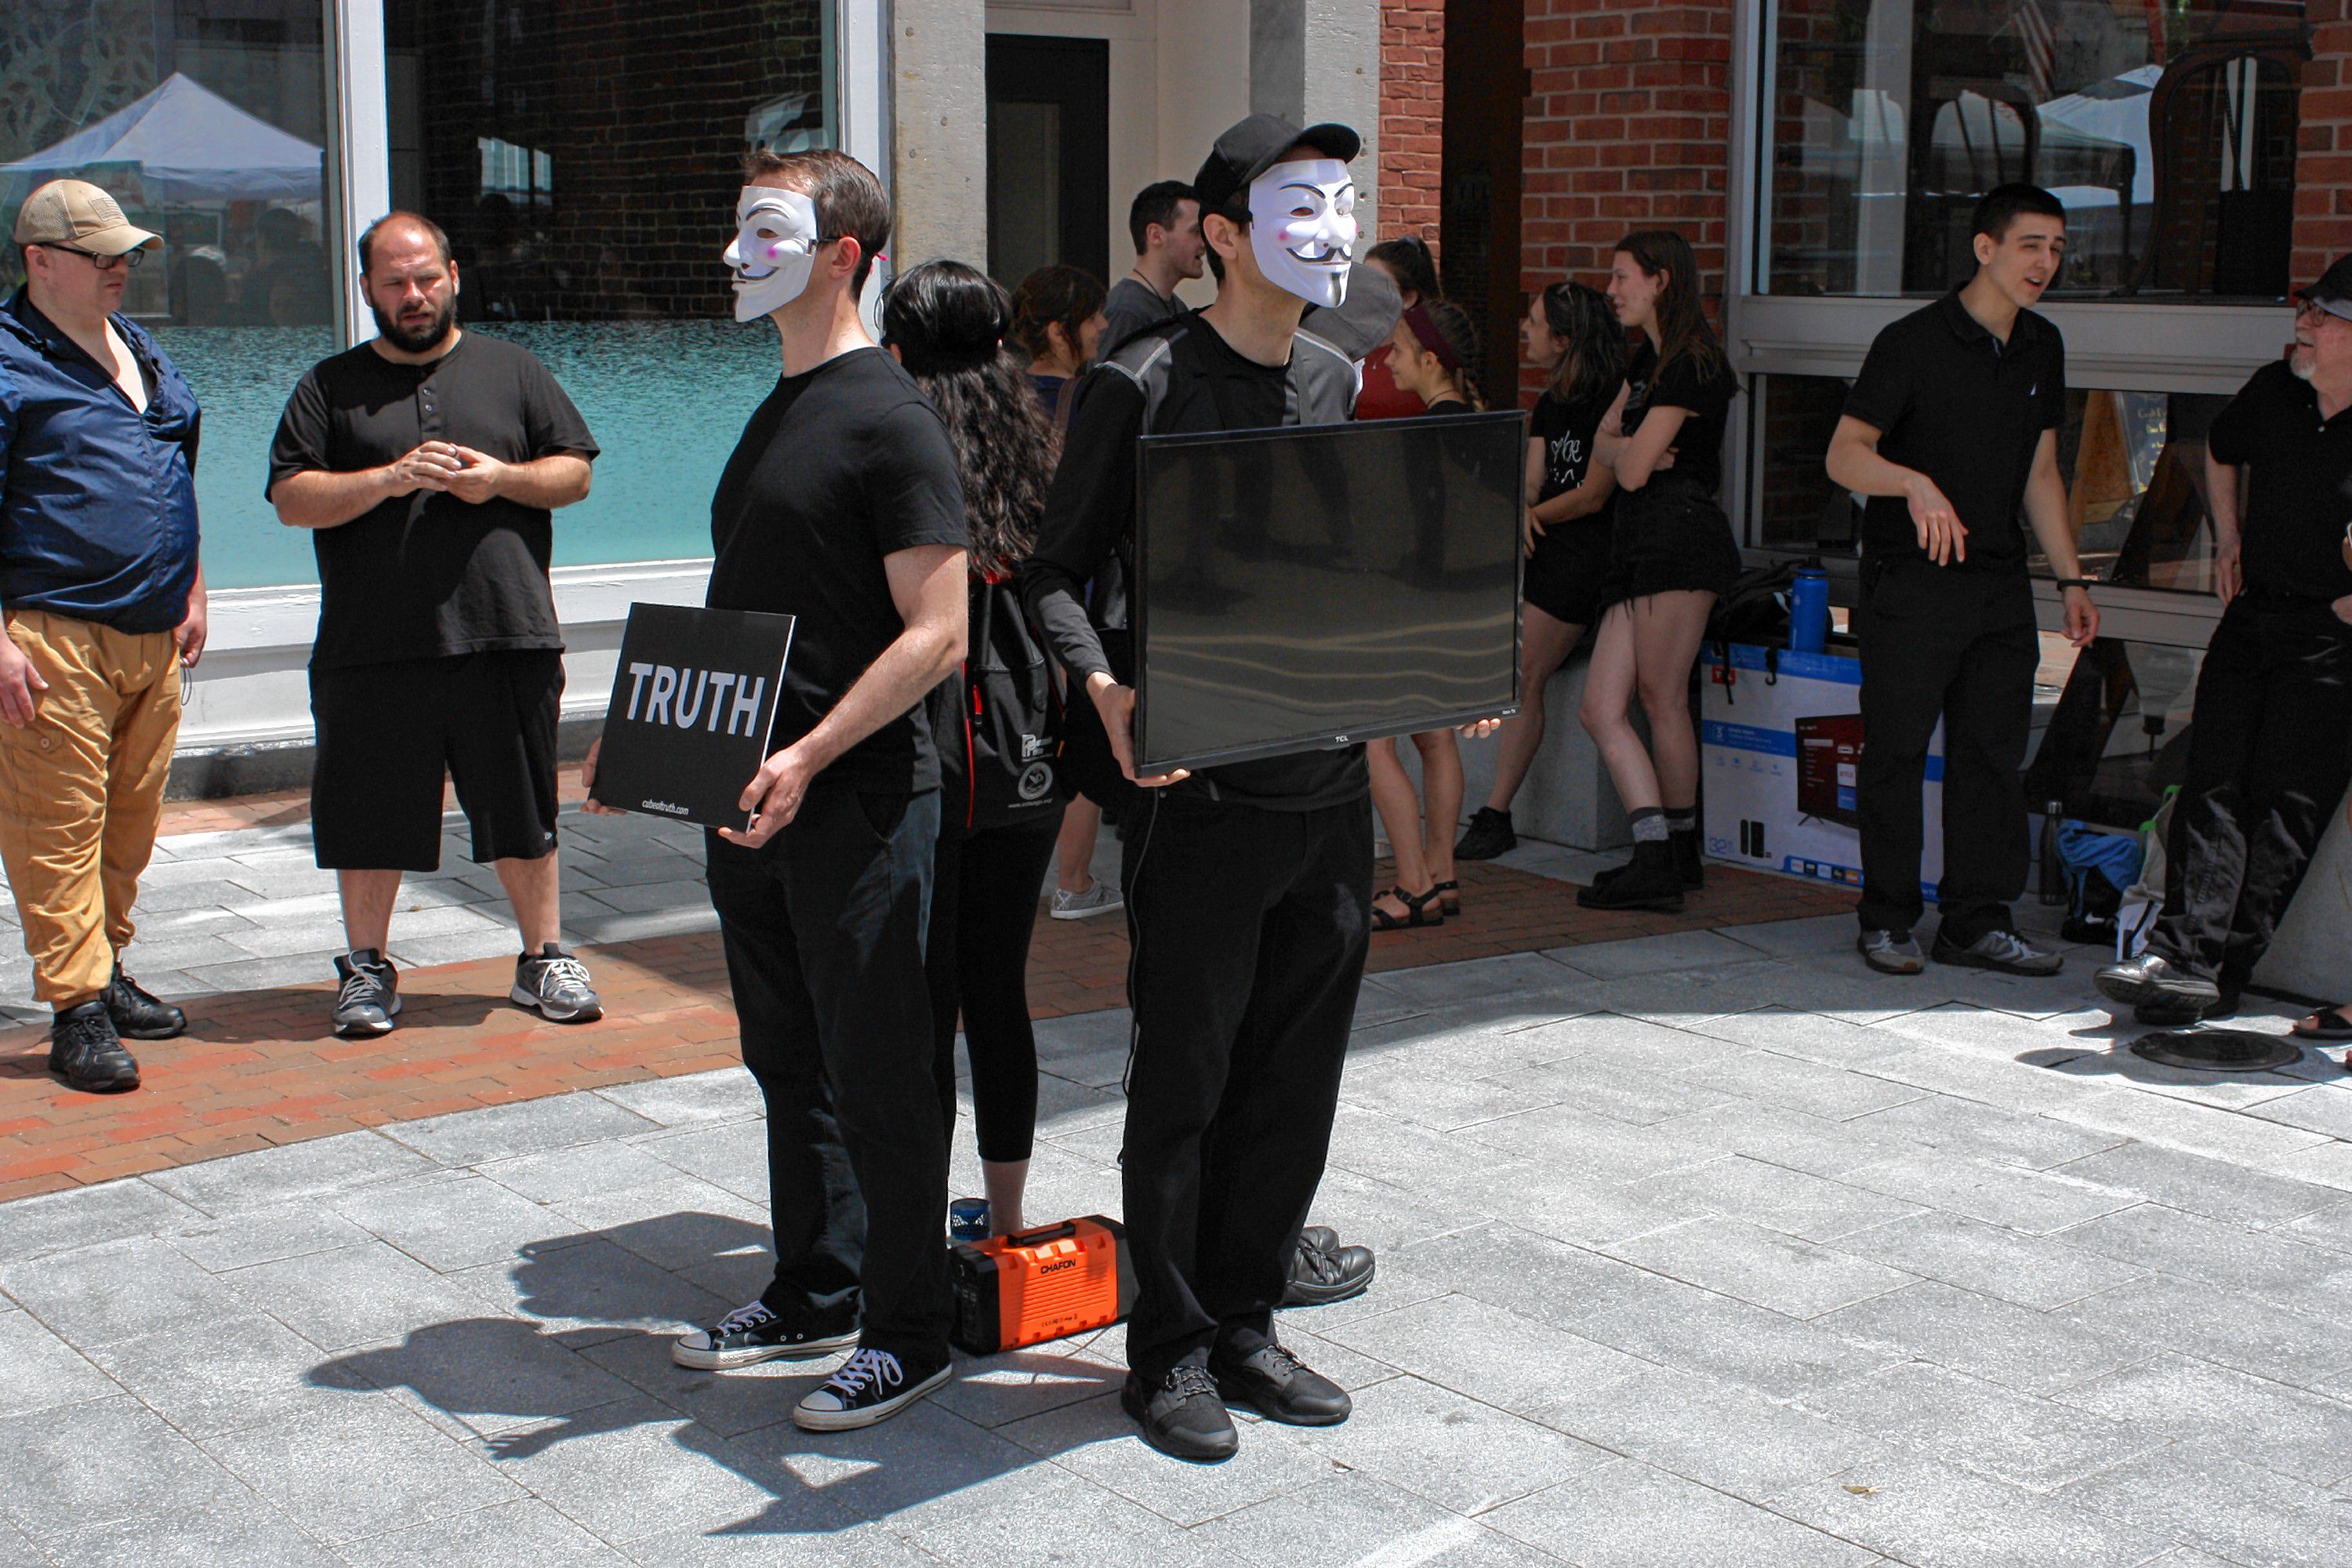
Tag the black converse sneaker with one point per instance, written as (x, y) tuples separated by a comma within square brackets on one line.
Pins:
[(554, 984), (370, 997), (756, 1334), (871, 1385)]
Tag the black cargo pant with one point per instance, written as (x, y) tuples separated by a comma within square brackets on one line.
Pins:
[(824, 930), (1940, 642), (1250, 931), (2270, 752)]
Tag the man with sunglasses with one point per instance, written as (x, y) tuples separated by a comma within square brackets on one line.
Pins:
[(103, 606), (2267, 759)]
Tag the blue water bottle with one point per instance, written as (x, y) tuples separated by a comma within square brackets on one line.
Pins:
[(1809, 610)]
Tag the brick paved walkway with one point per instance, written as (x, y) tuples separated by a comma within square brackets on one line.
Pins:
[(258, 1067)]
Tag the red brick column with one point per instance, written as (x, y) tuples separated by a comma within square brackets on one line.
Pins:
[(1629, 126), (1412, 116), (2322, 164)]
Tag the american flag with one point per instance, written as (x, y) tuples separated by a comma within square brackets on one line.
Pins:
[(2040, 42)]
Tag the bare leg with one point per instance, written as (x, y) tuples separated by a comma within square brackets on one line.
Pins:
[(533, 888), (1665, 644), (1399, 811), (1544, 643), (1074, 851), (1608, 684), (1441, 794), (368, 898), (1007, 1180)]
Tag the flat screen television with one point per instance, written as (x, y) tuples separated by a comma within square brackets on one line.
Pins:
[(1314, 585)]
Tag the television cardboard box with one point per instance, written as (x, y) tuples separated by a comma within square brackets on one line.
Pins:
[(1780, 740)]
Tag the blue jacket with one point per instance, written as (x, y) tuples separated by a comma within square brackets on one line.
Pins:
[(98, 502)]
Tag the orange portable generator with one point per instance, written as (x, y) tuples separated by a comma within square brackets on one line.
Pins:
[(1038, 1285)]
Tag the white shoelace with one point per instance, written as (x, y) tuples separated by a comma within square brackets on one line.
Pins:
[(742, 1317), (563, 969), (879, 1368), (360, 985)]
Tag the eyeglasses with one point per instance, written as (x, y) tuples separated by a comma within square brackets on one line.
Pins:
[(131, 257)]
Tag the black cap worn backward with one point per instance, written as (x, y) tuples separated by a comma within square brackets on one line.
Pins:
[(1254, 145), (2333, 292)]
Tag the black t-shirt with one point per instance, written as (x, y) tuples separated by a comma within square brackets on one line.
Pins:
[(1707, 398), (1202, 386), (2299, 497), (840, 466), (1955, 404), (427, 576), (1566, 428)]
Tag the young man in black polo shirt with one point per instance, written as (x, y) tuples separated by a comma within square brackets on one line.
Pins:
[(840, 507), (2267, 753), (426, 462), (1952, 424), (1249, 886)]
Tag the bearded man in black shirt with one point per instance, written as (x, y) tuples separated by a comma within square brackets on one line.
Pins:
[(1248, 885), (2267, 755), (425, 463), (841, 507)]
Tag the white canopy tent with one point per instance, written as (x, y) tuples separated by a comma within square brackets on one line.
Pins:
[(188, 145)]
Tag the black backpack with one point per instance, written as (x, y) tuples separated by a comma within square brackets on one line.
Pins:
[(1012, 717), (1756, 610)]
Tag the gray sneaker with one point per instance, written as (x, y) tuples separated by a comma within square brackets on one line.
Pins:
[(2157, 989), (2002, 952), (1102, 898), (1891, 952), (370, 997), (554, 984)]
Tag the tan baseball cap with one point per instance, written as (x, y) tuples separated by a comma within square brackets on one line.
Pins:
[(76, 212)]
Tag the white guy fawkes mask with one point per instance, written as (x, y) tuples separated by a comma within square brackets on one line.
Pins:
[(774, 250), (1303, 227)]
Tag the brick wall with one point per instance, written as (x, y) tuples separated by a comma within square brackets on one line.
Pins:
[(1413, 108), (1629, 126), (2323, 167)]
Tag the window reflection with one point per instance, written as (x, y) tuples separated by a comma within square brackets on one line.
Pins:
[(2168, 130), (586, 162), (2117, 735), (208, 124), (2134, 464)]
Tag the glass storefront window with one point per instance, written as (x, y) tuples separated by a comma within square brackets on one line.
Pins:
[(208, 123), (2134, 464), (2169, 129), (585, 164)]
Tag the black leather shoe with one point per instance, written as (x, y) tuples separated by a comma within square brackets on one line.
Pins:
[(1688, 861), (1182, 1415), (86, 1052), (1650, 881), (1278, 1386), (1489, 835), (1322, 1271), (137, 1015)]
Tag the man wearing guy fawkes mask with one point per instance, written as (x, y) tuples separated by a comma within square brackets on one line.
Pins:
[(1249, 885), (841, 507)]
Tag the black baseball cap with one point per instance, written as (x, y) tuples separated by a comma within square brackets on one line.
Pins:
[(2333, 292), (1254, 145)]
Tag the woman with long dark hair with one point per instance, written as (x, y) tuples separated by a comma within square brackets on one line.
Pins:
[(1572, 332), (1432, 356), (947, 323), (1674, 555)]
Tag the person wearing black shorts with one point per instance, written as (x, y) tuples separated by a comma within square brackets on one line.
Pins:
[(1573, 333), (840, 507), (427, 463), (1672, 556)]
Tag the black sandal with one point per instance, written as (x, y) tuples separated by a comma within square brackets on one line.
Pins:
[(1449, 896), (1417, 906)]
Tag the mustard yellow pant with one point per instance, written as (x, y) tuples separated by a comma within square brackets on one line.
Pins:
[(81, 791)]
